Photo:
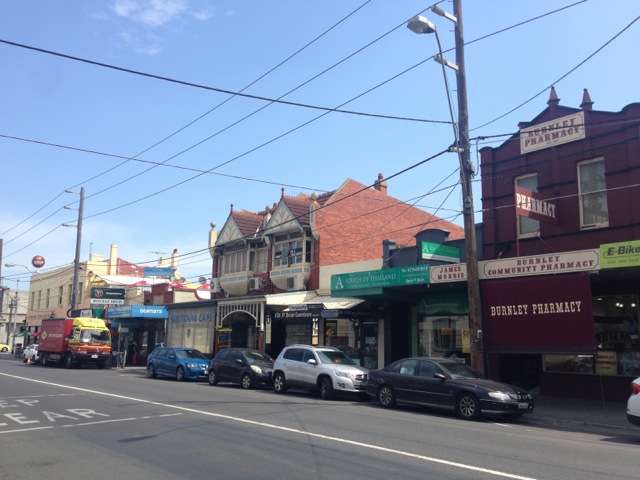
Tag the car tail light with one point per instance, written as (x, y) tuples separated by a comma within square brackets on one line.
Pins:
[(635, 388)]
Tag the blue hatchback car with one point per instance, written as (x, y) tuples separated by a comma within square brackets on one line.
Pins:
[(179, 363)]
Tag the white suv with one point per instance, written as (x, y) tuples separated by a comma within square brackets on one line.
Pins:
[(323, 369)]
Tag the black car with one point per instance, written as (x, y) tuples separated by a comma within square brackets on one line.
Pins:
[(442, 383), (244, 366)]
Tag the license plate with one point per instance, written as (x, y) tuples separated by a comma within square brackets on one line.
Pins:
[(523, 406), (94, 356)]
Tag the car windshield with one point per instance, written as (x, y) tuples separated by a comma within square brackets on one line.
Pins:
[(335, 357), (253, 356), (95, 336), (190, 354), (460, 370)]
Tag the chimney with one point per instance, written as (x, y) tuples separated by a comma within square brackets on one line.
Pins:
[(113, 259), (174, 260), (586, 104), (381, 184)]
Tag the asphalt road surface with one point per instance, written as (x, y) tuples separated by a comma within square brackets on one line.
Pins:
[(87, 423)]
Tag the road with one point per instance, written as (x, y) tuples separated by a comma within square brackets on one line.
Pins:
[(88, 423)]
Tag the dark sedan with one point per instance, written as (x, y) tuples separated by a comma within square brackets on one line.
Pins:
[(442, 383), (244, 366)]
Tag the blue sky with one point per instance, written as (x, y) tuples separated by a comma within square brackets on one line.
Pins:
[(368, 62)]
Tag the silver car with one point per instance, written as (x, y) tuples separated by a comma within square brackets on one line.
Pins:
[(326, 370)]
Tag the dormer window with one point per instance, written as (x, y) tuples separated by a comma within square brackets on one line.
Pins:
[(234, 259)]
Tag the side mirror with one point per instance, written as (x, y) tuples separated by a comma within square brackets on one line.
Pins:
[(440, 376), (312, 361)]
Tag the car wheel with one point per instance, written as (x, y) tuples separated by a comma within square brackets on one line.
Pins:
[(44, 360), (151, 371), (180, 374), (279, 384), (246, 382), (386, 396), (5, 349), (213, 377), (468, 406), (326, 389)]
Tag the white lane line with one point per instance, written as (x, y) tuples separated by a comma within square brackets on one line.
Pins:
[(287, 429)]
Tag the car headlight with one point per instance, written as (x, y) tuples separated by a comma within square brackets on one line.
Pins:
[(256, 369), (193, 365), (500, 396), (340, 373)]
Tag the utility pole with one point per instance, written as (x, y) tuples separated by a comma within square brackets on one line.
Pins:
[(466, 174), (13, 312), (76, 262)]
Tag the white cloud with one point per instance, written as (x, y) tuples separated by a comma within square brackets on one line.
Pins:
[(153, 13)]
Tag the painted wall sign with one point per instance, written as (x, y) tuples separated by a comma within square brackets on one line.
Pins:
[(530, 205), (569, 262), (444, 253), (107, 296), (541, 315), (555, 132), (622, 254)]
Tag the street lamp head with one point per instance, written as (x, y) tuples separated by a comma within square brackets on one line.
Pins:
[(438, 11), (420, 24), (10, 265)]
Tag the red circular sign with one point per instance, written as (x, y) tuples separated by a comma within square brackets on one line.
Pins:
[(37, 261)]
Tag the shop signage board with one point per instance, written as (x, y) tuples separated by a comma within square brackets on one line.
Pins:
[(621, 254), (554, 132), (107, 296), (443, 253), (568, 262), (388, 277), (456, 272), (157, 271)]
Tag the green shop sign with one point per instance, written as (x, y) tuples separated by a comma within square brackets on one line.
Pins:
[(444, 253), (618, 255), (388, 277)]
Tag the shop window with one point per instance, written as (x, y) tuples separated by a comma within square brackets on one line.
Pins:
[(616, 328), (592, 188), (234, 259), (528, 227), (441, 336)]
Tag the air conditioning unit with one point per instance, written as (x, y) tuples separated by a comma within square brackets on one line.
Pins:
[(215, 285), (295, 283), (256, 284)]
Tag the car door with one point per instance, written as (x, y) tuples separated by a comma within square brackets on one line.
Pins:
[(428, 388), (234, 366), (292, 360), (403, 380), (308, 372), (160, 361), (221, 365)]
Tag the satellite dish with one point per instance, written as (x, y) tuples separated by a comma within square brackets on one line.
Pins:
[(202, 280)]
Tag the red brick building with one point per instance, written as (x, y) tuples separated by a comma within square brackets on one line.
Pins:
[(560, 274)]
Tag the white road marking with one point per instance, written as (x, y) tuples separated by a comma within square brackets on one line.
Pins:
[(285, 429)]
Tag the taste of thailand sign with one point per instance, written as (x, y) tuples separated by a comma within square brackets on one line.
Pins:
[(555, 132)]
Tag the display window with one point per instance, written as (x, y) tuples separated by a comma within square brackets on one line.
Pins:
[(616, 329), (444, 336)]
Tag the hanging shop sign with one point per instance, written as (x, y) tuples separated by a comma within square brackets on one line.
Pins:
[(555, 132), (530, 205), (619, 255)]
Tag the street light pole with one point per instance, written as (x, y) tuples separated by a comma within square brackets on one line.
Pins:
[(420, 24), (13, 312)]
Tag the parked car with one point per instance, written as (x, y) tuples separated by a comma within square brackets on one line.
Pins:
[(244, 366), (4, 347), (448, 384), (31, 353), (323, 369), (179, 363), (633, 404)]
